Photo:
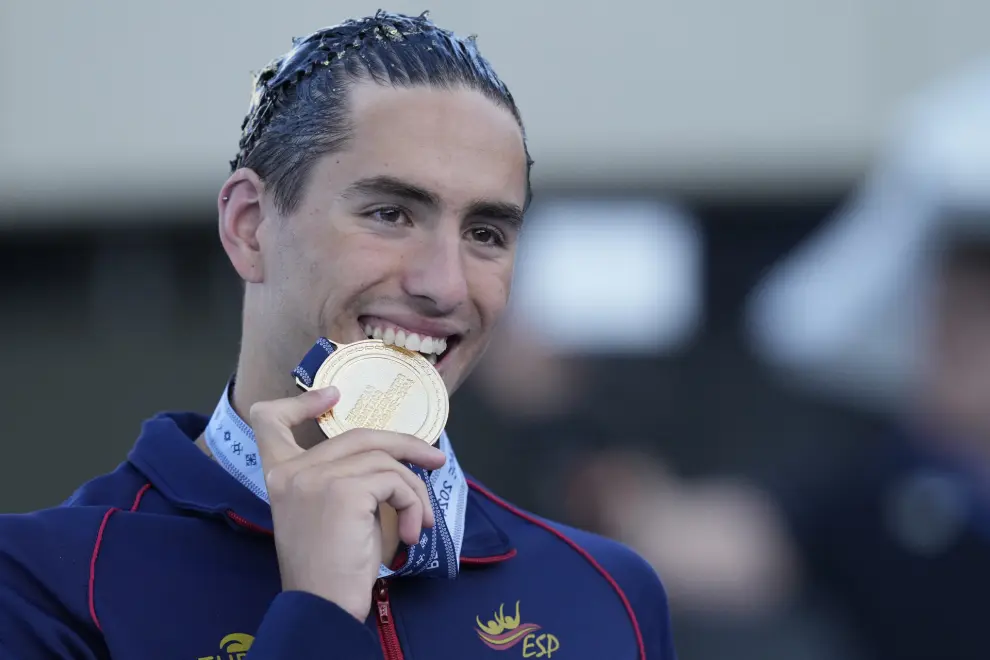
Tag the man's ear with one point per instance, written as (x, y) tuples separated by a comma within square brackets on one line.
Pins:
[(241, 214)]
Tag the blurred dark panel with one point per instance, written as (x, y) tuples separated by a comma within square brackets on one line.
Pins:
[(107, 326), (101, 330)]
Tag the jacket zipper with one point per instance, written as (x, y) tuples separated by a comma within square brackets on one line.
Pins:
[(386, 624)]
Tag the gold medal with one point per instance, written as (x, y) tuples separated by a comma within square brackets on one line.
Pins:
[(382, 387)]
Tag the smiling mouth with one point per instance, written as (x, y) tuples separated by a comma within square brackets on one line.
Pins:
[(434, 349)]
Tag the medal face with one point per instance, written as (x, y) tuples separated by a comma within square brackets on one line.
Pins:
[(383, 387)]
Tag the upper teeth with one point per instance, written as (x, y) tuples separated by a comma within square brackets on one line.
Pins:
[(409, 340)]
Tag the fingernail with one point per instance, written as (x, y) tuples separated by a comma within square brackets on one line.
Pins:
[(329, 392)]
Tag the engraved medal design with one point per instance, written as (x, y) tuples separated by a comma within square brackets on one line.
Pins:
[(382, 387)]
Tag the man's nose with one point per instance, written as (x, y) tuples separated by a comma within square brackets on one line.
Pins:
[(435, 273)]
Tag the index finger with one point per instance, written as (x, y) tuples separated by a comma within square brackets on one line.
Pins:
[(400, 446)]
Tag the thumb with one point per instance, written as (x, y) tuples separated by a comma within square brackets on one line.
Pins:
[(272, 421), (295, 410)]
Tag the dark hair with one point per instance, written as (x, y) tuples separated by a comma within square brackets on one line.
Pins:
[(299, 110)]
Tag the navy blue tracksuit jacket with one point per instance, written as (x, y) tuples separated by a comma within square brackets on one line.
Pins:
[(170, 557)]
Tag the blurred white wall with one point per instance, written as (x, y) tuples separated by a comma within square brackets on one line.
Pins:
[(609, 276), (141, 102)]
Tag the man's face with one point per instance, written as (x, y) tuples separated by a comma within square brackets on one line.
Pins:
[(409, 234)]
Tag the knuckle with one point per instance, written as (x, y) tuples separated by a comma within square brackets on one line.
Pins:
[(279, 478), (310, 482), (418, 489), (379, 455), (260, 411), (394, 481), (356, 436), (337, 488), (396, 438), (372, 436)]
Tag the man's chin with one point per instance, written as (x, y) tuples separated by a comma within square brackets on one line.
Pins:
[(453, 376), (450, 381)]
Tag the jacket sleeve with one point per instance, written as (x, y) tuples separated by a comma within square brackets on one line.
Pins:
[(34, 625), (640, 584), (653, 615), (648, 598), (302, 625)]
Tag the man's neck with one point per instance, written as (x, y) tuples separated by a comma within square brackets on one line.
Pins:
[(256, 381), (203, 447)]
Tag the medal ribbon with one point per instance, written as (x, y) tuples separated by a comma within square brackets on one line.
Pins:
[(439, 549)]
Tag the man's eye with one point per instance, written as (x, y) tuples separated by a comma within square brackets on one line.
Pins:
[(488, 236), (389, 215)]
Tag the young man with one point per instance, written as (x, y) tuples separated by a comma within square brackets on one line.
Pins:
[(378, 191)]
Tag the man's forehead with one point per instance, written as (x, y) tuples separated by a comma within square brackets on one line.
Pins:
[(456, 144)]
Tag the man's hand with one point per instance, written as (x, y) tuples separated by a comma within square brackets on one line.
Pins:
[(325, 500)]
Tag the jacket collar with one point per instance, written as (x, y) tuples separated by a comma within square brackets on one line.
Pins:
[(167, 455)]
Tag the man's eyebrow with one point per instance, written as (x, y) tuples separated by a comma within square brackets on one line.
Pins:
[(392, 187), (504, 211)]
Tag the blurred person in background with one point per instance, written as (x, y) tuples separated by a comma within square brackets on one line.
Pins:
[(590, 382), (534, 397), (575, 362), (378, 192), (888, 309)]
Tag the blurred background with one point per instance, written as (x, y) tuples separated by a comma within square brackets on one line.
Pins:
[(750, 334)]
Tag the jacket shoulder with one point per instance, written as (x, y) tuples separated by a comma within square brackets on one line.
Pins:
[(633, 574), (45, 561), (56, 537), (49, 552), (632, 577), (119, 489), (635, 578)]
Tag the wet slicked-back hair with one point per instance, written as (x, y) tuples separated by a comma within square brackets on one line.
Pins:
[(299, 110)]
